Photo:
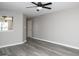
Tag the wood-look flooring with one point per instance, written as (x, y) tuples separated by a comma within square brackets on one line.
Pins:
[(38, 48)]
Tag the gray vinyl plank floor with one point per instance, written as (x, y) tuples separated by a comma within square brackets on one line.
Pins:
[(35, 47)]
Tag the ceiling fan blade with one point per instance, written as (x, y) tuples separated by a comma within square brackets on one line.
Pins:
[(47, 4), (31, 7), (47, 7), (35, 3)]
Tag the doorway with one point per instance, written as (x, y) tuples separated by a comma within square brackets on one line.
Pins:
[(29, 28)]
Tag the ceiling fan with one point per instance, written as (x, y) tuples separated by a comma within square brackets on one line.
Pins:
[(40, 5)]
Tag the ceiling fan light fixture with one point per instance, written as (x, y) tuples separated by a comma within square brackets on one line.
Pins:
[(39, 8)]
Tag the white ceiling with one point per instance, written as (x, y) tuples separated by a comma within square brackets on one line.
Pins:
[(21, 7)]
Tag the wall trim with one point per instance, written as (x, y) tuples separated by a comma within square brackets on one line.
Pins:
[(13, 44), (66, 45)]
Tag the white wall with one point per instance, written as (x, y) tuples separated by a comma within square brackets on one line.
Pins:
[(61, 27), (24, 28), (14, 36)]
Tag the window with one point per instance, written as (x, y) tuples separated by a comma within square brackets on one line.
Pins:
[(6, 23), (3, 26)]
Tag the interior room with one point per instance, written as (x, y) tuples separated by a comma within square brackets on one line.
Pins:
[(39, 29)]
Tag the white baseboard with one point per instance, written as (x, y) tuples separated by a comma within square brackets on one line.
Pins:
[(66, 45), (13, 44)]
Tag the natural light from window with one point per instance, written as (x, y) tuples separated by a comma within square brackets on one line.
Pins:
[(6, 23)]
